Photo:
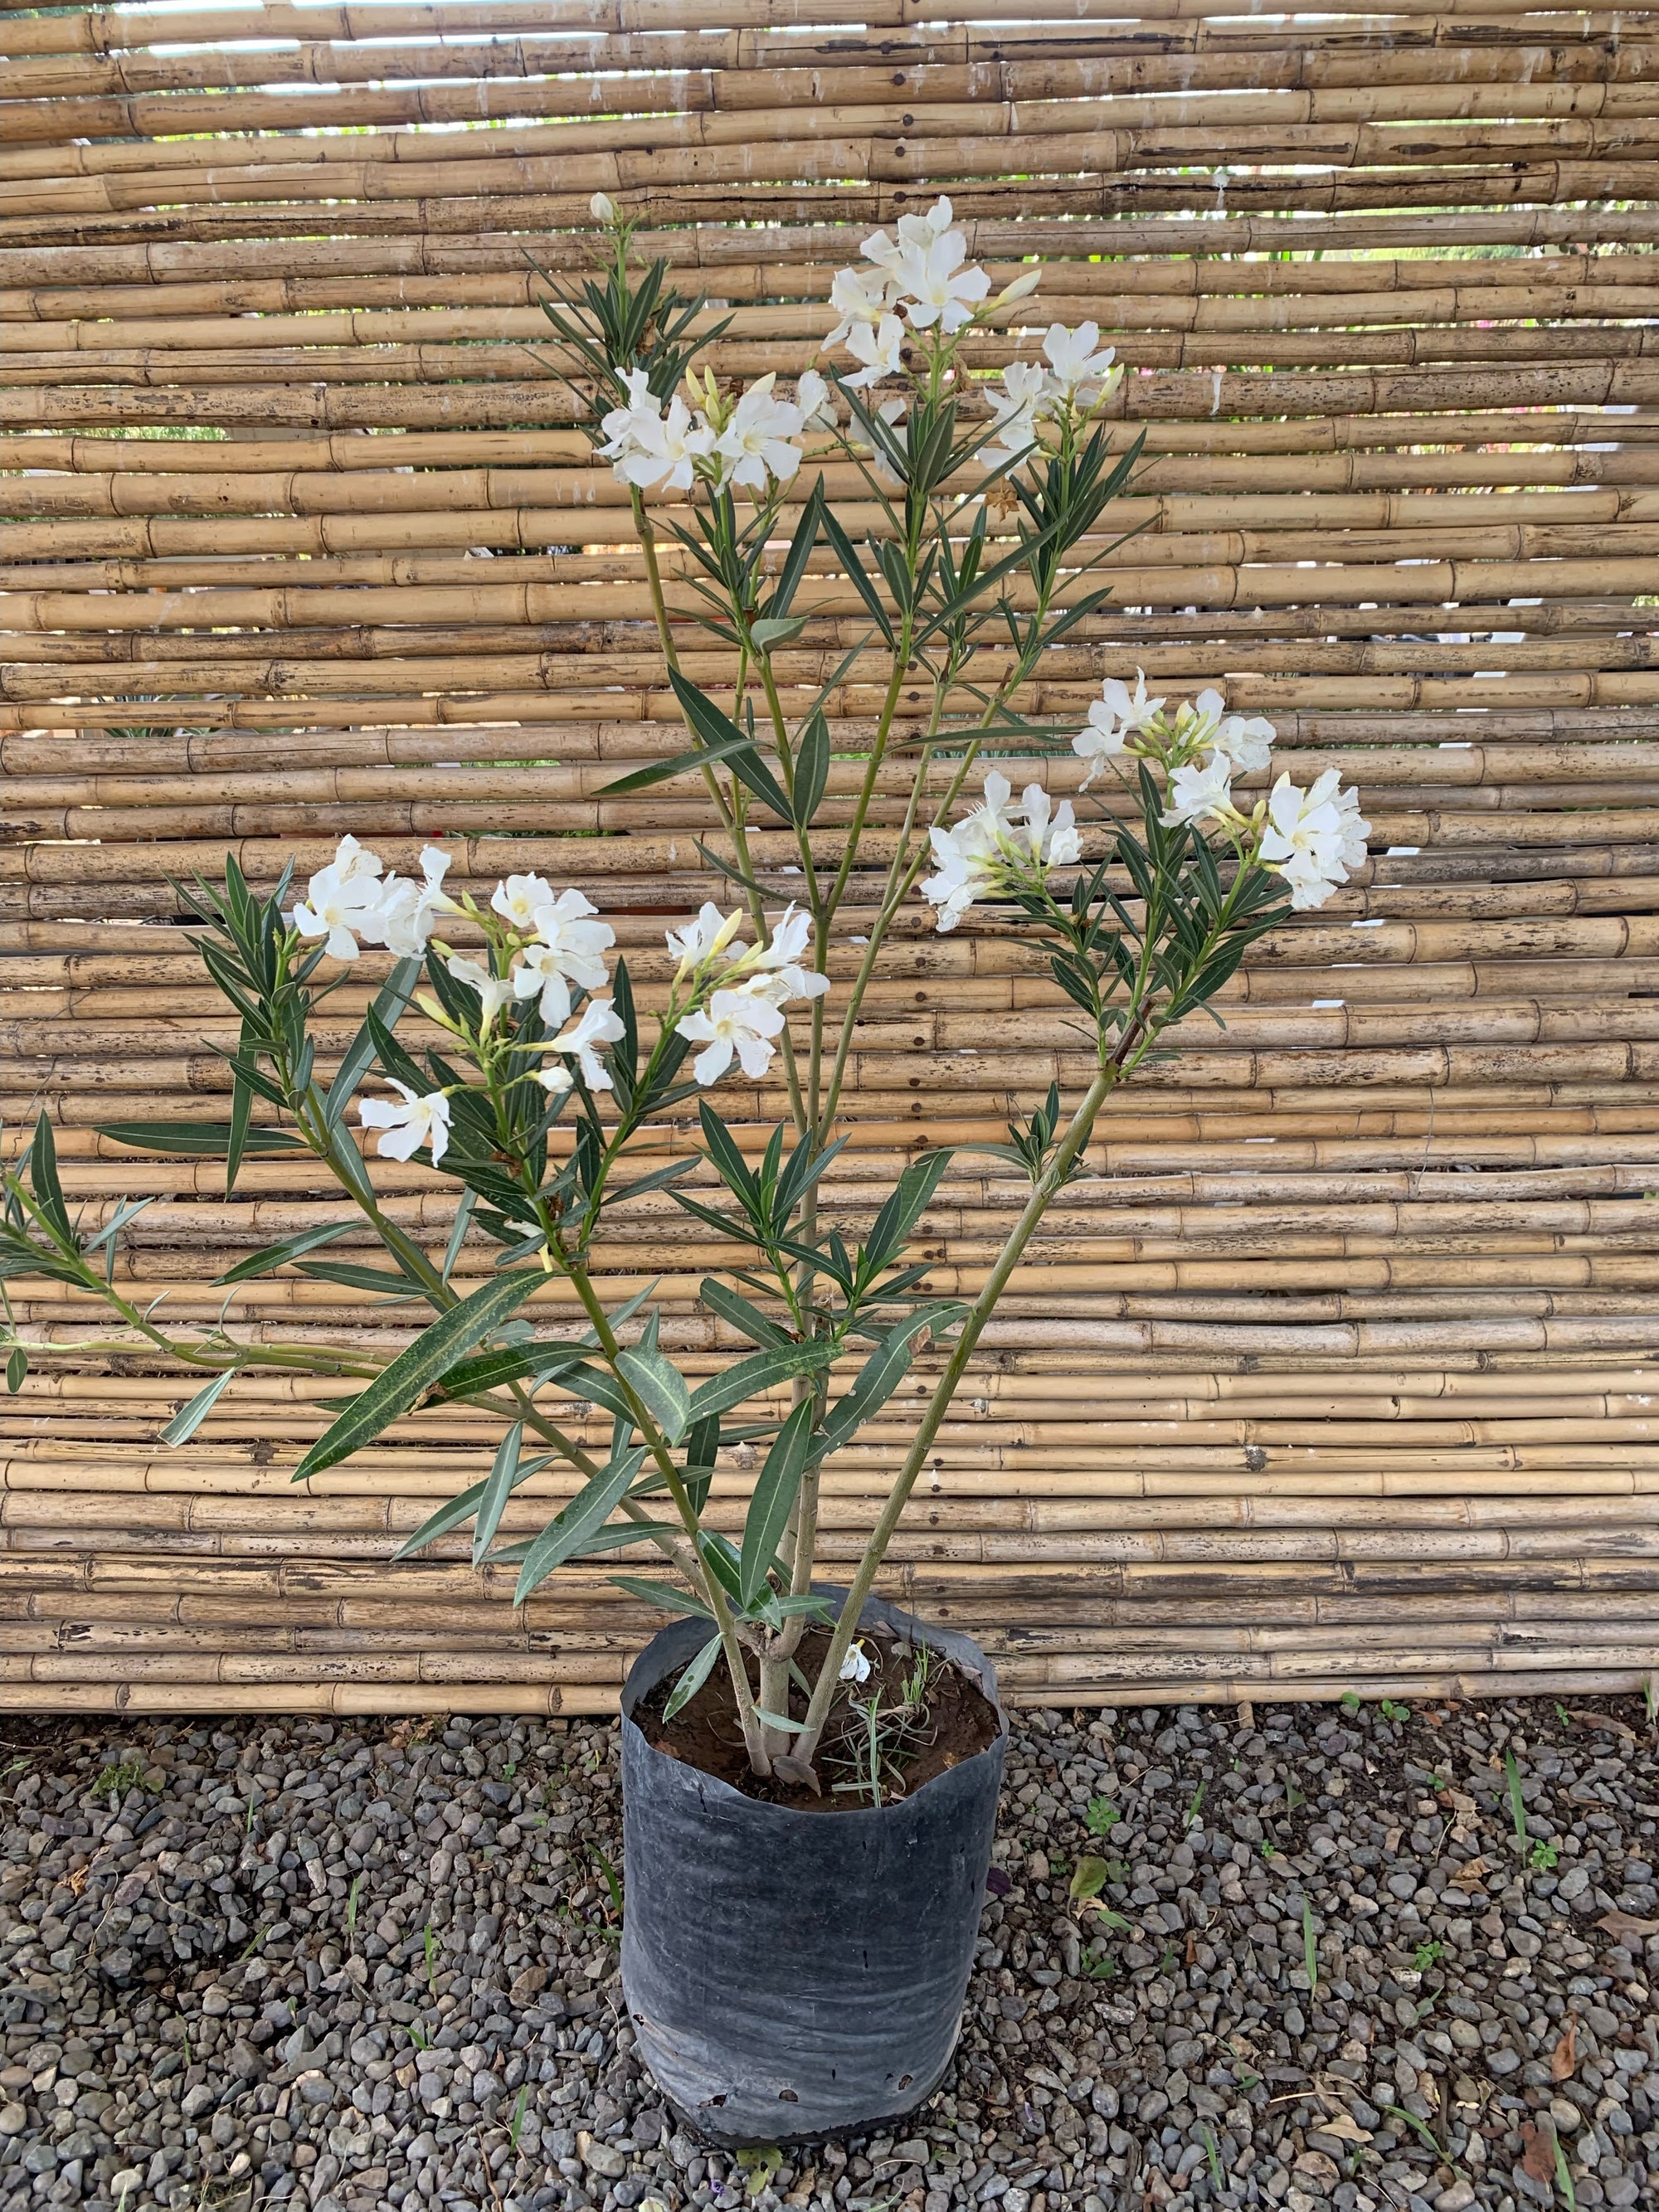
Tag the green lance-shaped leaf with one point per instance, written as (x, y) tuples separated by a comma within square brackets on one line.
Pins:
[(693, 1679), (498, 1488), (883, 1371), (811, 769), (903, 1209), (43, 1181), (199, 1140), (741, 1313), (662, 1594), (279, 1256), (463, 1507), (189, 1418), (18, 1369), (774, 1496), (579, 1523), (716, 727), (417, 1369), (761, 1372), (660, 1386)]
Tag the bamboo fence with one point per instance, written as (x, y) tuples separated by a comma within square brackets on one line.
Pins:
[(1340, 1375)]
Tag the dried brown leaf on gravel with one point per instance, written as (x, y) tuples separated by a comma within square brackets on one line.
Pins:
[(1565, 2057), (1537, 2153)]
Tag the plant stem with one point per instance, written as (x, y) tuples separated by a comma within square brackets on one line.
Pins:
[(1053, 1175)]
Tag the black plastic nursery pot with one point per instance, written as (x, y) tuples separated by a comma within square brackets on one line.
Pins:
[(793, 1975)]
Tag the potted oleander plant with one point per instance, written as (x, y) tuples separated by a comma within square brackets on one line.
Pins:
[(810, 1775)]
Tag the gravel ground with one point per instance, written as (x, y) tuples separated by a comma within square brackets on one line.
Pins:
[(258, 1962)]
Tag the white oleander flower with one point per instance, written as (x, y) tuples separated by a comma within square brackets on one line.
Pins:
[(407, 912), (734, 1023), (598, 1024), (1018, 408), (602, 207), (968, 857), (855, 1667), (773, 970), (1313, 838), (1051, 841), (494, 992), (754, 442), (1247, 740), (517, 898), (567, 949), (876, 347), (815, 401), (648, 448), (1081, 377), (939, 284), (1134, 709), (405, 1128), (859, 297), (706, 937), (342, 900), (1200, 792), (1102, 741)]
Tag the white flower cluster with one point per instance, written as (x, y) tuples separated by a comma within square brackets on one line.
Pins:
[(560, 949), (1243, 742), (745, 444), (1076, 380), (998, 845), (743, 1018), (924, 276), (351, 903), (1313, 838)]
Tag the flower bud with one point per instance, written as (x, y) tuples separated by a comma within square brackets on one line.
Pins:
[(602, 207), (1021, 289)]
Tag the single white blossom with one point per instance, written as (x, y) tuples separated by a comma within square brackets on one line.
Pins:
[(1018, 408), (342, 901), (567, 949), (1134, 709), (1051, 841), (754, 442), (1200, 792), (1081, 377), (1101, 741), (1313, 838), (859, 297), (938, 287), (405, 918), (876, 347), (815, 401), (598, 1024), (773, 970), (1247, 740), (405, 1128), (494, 992), (706, 937), (602, 207), (517, 898), (740, 1024), (648, 447), (855, 1667)]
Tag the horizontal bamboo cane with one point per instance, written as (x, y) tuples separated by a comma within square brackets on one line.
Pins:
[(95, 97)]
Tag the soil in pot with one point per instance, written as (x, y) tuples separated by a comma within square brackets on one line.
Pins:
[(917, 1714)]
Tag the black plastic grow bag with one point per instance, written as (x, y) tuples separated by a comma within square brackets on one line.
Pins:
[(798, 1974)]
